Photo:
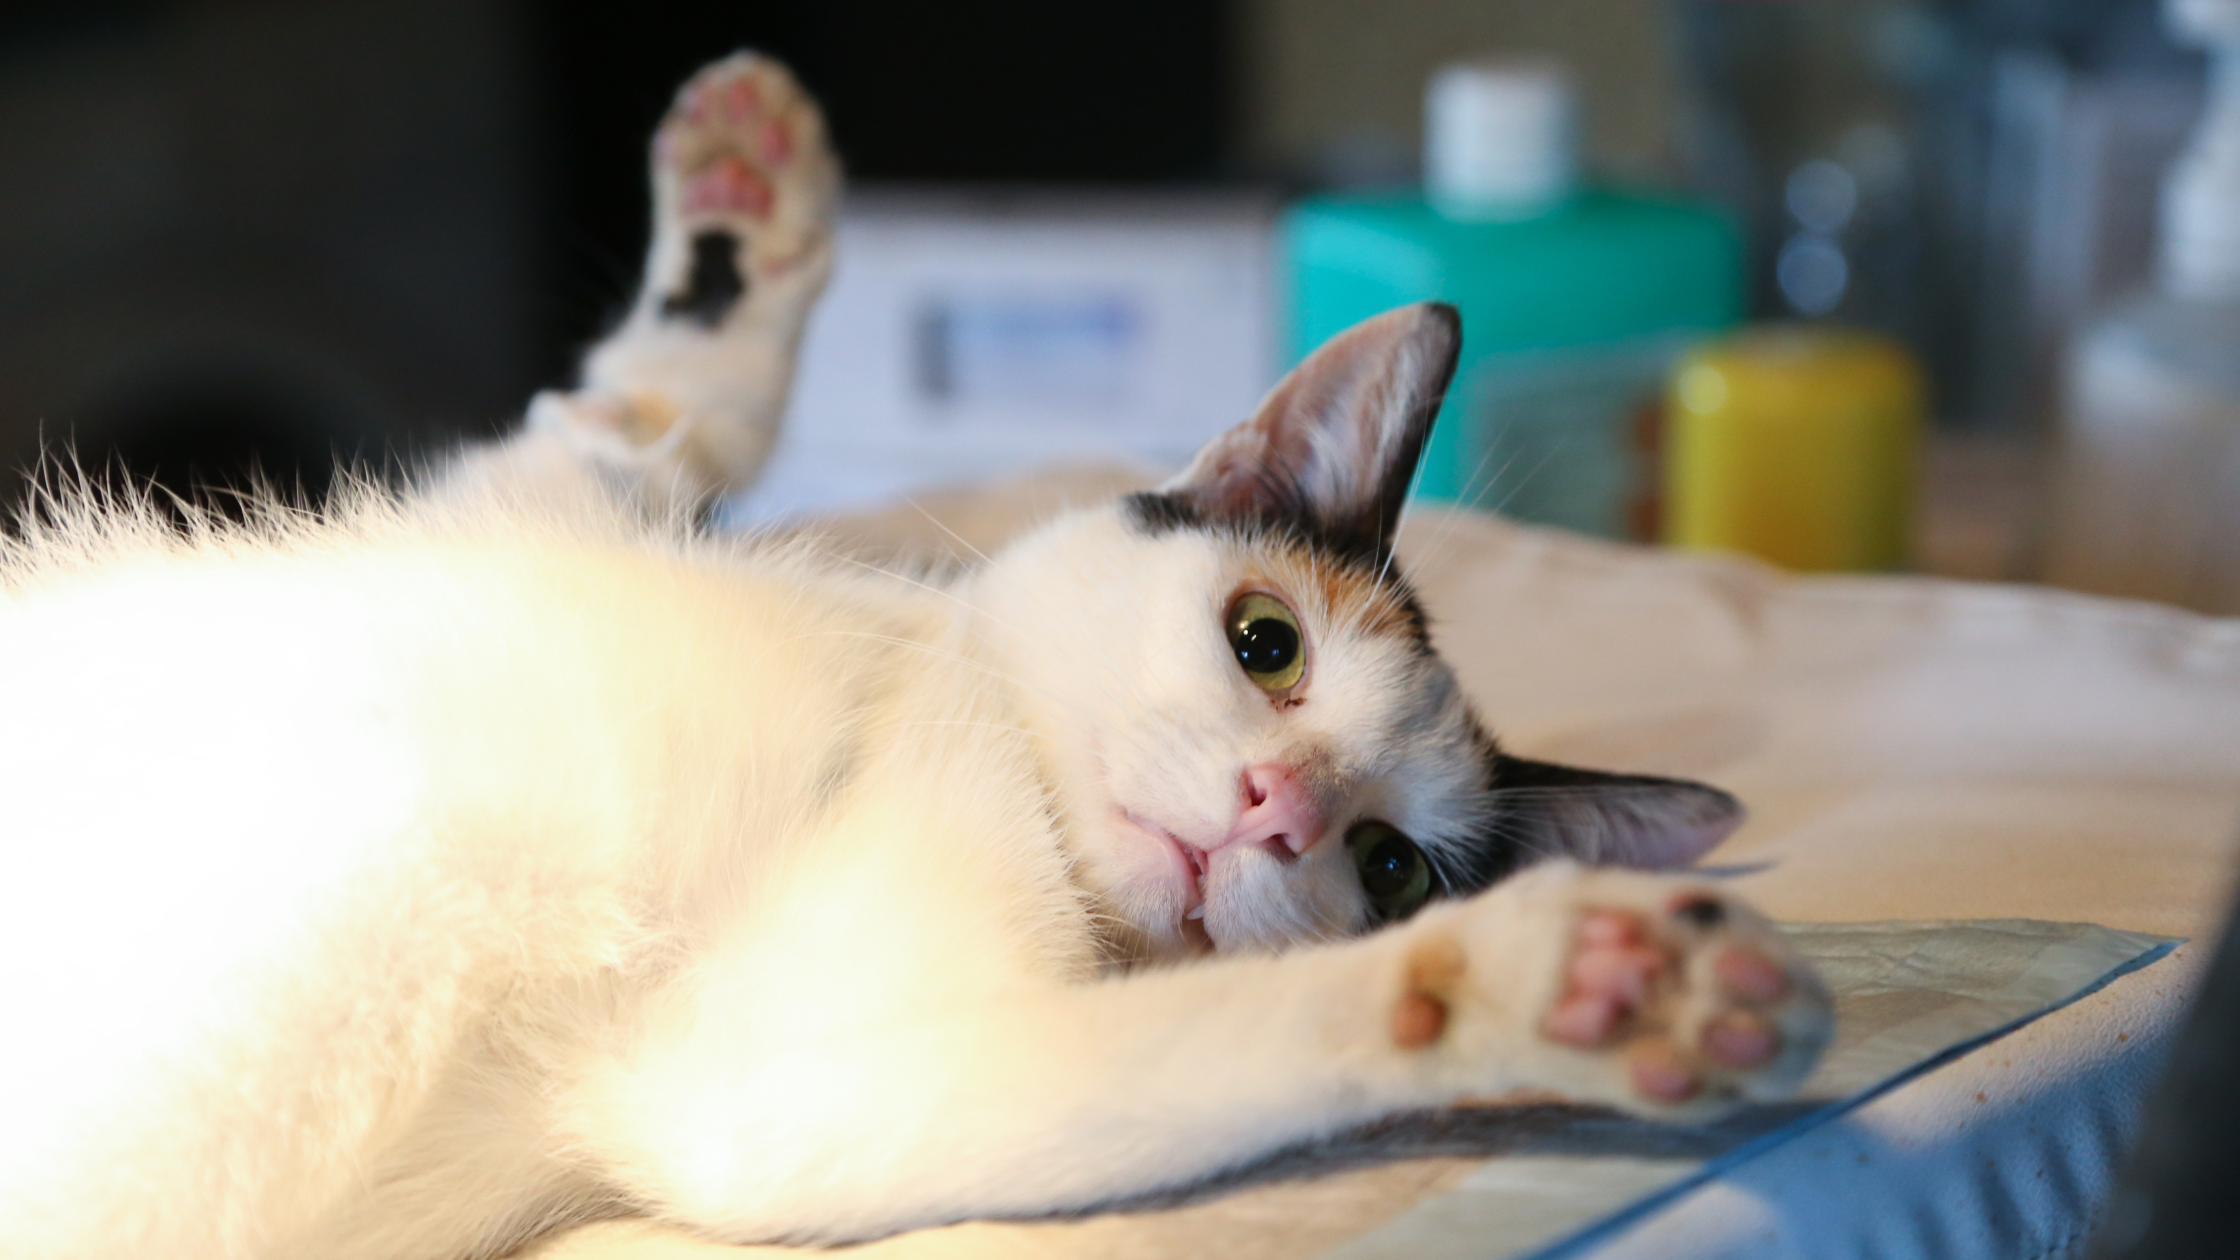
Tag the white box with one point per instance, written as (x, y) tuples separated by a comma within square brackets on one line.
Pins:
[(969, 336)]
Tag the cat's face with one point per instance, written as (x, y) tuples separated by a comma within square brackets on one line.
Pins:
[(1237, 721), (1252, 739)]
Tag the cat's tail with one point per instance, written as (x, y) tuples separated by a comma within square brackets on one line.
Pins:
[(682, 402)]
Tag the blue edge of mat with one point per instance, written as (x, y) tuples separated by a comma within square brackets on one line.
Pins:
[(1626, 1216)]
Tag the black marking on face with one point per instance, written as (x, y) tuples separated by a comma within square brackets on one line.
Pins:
[(714, 284), (1419, 623), (1158, 512), (1155, 513), (1492, 858), (1497, 852), (1541, 810)]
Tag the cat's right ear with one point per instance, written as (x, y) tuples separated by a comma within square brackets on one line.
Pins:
[(1603, 819), (1331, 451)]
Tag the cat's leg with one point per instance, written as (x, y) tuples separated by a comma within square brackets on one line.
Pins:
[(1653, 993), (683, 401)]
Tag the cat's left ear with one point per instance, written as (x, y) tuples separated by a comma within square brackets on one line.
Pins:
[(1334, 445), (1547, 810)]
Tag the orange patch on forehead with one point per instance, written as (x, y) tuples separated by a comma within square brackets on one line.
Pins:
[(1349, 594)]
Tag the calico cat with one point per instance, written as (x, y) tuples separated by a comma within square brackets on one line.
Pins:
[(413, 879)]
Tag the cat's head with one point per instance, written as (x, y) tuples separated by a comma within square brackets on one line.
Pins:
[(1253, 739)]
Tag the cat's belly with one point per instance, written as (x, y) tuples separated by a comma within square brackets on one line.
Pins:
[(281, 833)]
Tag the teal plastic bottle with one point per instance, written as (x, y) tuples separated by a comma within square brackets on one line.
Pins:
[(1574, 303)]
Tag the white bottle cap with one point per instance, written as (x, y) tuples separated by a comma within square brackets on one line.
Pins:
[(1500, 139), (2201, 194)]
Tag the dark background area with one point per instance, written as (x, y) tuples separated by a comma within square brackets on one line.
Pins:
[(242, 234)]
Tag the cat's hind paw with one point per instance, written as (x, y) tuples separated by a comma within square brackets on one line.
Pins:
[(744, 187), (684, 400)]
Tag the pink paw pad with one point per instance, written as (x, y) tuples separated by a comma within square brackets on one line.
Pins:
[(1613, 973), (774, 142), (1628, 979), (724, 101), (728, 186), (740, 100), (1740, 1039), (1750, 975)]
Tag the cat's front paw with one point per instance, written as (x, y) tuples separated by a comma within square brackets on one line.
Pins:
[(1654, 993), (1697, 992)]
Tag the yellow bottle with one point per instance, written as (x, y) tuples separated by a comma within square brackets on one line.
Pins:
[(1796, 444)]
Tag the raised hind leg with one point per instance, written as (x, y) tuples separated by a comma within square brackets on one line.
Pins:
[(682, 402)]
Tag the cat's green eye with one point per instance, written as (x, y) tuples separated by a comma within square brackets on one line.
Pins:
[(1393, 870), (1265, 635)]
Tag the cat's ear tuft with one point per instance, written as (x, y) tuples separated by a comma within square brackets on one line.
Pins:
[(1333, 447), (1603, 819)]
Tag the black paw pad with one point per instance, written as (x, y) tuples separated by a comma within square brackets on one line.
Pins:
[(1702, 913), (713, 286)]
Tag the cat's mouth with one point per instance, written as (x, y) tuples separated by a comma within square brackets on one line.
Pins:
[(1189, 866)]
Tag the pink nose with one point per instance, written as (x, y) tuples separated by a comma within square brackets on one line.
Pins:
[(1278, 813)]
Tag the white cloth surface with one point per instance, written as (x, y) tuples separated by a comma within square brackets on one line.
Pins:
[(1909, 749)]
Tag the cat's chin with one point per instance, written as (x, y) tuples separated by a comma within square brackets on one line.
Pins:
[(1162, 896)]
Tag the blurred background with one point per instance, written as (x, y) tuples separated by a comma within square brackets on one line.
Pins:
[(275, 234)]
